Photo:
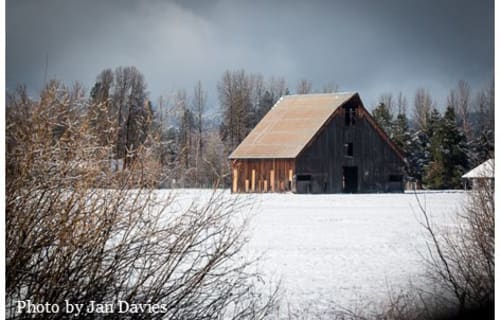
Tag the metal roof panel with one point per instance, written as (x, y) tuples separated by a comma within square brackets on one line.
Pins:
[(290, 124)]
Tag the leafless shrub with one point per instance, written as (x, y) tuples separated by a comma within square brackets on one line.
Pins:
[(70, 241), (462, 260)]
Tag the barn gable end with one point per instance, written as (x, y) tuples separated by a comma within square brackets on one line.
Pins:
[(319, 143)]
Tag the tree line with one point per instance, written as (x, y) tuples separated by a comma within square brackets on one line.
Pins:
[(191, 146), (441, 147)]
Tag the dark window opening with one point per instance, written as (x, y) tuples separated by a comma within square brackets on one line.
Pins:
[(349, 150), (350, 116), (303, 177), (395, 178)]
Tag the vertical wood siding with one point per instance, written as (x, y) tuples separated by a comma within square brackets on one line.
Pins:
[(262, 172), (373, 156)]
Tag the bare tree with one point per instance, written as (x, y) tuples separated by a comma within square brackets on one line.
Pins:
[(257, 91), (388, 102), (304, 86), (277, 88), (186, 127), (216, 165), (459, 99), (120, 97), (257, 87), (402, 104), (235, 100), (423, 105), (199, 105), (330, 88), (101, 91), (484, 106)]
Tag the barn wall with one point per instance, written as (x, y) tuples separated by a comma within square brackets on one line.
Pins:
[(373, 157), (262, 175)]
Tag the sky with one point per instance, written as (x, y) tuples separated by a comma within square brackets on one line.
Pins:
[(372, 47)]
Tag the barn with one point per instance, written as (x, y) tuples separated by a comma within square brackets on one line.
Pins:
[(317, 143)]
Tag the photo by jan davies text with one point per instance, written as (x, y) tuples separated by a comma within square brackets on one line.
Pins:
[(76, 309)]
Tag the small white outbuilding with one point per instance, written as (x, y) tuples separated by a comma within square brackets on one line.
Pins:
[(483, 173)]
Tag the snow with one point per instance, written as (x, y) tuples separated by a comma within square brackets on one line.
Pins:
[(341, 249)]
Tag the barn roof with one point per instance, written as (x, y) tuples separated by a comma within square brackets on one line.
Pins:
[(484, 170), (289, 126)]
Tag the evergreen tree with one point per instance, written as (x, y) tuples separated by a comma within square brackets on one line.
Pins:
[(418, 155), (433, 123), (481, 146), (401, 132), (265, 104), (383, 116), (449, 159)]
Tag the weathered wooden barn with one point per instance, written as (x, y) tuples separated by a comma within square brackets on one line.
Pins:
[(317, 143)]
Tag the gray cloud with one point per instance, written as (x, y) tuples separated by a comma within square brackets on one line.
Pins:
[(368, 46)]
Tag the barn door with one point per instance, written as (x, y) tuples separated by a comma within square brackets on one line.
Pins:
[(350, 179)]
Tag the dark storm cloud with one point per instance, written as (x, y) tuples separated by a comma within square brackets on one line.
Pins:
[(368, 46)]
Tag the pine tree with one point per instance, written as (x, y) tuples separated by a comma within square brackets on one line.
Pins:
[(433, 123), (265, 104), (383, 116), (449, 159), (481, 148), (418, 155), (401, 132)]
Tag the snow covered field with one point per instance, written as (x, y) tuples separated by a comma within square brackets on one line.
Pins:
[(342, 249)]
